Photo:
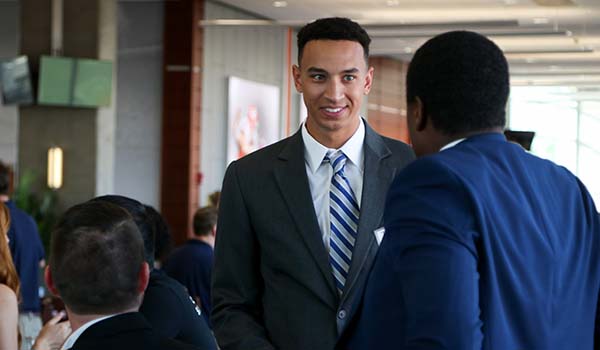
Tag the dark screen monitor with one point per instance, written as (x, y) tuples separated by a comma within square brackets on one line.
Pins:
[(15, 80), (523, 138)]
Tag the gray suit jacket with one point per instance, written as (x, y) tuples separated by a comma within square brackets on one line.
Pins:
[(272, 282)]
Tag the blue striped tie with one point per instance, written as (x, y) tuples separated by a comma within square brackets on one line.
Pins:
[(344, 212)]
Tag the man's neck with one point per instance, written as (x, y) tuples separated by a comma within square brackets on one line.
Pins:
[(79, 320), (206, 239), (329, 139), (447, 139)]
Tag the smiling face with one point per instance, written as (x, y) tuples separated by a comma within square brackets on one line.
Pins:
[(333, 76)]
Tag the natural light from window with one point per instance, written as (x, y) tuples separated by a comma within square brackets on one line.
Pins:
[(566, 126)]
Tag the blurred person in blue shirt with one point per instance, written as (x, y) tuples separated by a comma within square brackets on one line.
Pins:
[(191, 264), (28, 256)]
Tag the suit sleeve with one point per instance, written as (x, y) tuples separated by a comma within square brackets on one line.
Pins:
[(431, 250), (237, 284)]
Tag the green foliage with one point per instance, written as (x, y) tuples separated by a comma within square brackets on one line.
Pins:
[(41, 205)]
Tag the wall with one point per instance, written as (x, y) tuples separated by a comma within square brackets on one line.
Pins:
[(139, 80), (254, 53), (387, 100), (9, 122)]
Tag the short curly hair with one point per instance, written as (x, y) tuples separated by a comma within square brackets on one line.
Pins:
[(462, 78)]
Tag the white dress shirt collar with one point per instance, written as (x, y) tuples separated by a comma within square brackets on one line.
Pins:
[(75, 335), (452, 144), (353, 148)]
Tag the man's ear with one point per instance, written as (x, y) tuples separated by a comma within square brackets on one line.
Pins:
[(50, 281), (421, 118), (296, 73), (369, 80), (143, 277)]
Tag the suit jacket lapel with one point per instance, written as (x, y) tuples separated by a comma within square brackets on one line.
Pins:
[(376, 180), (292, 180)]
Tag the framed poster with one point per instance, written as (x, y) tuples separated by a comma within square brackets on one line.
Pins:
[(253, 117)]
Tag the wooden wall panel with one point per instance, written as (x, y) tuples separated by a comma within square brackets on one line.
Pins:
[(387, 100), (182, 82)]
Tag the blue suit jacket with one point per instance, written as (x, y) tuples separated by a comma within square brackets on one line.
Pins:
[(486, 247)]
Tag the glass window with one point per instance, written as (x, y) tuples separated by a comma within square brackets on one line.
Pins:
[(566, 129)]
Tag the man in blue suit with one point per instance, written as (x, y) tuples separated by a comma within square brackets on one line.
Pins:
[(486, 246)]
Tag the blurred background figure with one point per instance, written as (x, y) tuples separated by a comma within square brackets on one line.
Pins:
[(9, 287), (28, 256), (97, 267), (214, 198), (163, 242), (166, 305), (191, 264)]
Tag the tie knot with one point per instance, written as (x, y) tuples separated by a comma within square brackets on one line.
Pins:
[(337, 159)]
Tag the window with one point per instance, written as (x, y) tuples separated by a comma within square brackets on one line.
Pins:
[(566, 129)]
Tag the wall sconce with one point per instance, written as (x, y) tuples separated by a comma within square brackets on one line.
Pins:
[(55, 167)]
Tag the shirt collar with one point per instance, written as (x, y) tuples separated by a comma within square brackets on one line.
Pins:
[(75, 335), (452, 144), (314, 152)]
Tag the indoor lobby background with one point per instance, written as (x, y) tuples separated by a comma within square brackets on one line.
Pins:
[(163, 138)]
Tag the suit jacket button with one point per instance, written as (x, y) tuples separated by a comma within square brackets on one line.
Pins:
[(342, 314)]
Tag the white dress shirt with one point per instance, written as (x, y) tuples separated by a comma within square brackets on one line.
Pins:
[(75, 335), (320, 173)]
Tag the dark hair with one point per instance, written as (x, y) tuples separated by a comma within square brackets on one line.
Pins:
[(462, 79), (96, 257), (140, 217), (162, 234), (204, 220), (333, 28), (4, 178)]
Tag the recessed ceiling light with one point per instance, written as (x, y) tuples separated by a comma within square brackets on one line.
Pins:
[(280, 3), (510, 2), (393, 2), (541, 20), (530, 60), (408, 49)]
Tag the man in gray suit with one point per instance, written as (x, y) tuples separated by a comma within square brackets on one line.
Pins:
[(297, 220)]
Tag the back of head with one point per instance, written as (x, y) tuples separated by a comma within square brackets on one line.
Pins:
[(162, 234), (333, 28), (8, 274), (141, 218), (4, 178), (214, 198), (96, 256), (204, 220), (462, 80)]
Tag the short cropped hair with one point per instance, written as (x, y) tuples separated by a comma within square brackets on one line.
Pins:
[(204, 220), (462, 79), (4, 178), (141, 218), (333, 28), (96, 256)]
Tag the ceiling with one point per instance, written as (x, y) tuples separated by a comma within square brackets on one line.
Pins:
[(547, 42)]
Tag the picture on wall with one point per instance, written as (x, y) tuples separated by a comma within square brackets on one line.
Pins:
[(253, 117)]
